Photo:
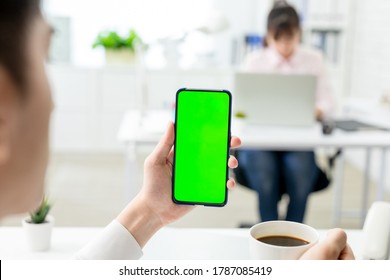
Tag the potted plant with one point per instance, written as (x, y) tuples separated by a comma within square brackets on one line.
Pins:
[(118, 49), (38, 227)]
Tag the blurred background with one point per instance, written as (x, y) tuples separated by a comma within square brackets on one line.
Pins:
[(191, 43)]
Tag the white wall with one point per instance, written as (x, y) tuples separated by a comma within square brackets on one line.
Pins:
[(369, 65)]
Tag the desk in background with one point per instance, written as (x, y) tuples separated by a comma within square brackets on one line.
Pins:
[(137, 130), (168, 243)]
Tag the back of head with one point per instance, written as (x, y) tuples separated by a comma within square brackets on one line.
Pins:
[(283, 21)]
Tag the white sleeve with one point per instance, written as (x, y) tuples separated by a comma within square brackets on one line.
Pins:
[(115, 242)]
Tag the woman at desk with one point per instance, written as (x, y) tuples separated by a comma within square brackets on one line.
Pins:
[(25, 109), (271, 173)]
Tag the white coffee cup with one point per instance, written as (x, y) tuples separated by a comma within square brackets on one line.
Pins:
[(263, 251)]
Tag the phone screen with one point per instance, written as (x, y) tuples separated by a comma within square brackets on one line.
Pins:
[(202, 136)]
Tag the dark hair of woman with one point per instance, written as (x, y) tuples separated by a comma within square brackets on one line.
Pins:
[(15, 19), (283, 21)]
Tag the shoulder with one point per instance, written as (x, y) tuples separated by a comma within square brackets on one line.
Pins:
[(310, 54), (256, 60), (257, 55), (311, 60)]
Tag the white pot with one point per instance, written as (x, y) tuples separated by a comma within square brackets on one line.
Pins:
[(120, 57), (38, 235)]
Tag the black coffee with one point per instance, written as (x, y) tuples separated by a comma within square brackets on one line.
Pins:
[(282, 240)]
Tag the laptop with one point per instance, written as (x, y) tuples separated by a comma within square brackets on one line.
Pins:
[(275, 99)]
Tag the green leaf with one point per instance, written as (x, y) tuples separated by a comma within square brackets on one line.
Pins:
[(39, 215), (112, 40)]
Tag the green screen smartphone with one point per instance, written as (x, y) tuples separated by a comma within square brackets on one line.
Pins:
[(202, 142)]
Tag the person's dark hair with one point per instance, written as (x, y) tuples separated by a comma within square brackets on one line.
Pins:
[(283, 20), (15, 20)]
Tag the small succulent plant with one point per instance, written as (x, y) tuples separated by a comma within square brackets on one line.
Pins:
[(39, 215)]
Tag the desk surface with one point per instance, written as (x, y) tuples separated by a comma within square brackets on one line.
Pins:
[(148, 130), (168, 243)]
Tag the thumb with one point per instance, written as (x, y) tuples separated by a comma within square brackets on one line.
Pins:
[(165, 144), (330, 248)]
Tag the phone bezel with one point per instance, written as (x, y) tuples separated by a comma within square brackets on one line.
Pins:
[(227, 152)]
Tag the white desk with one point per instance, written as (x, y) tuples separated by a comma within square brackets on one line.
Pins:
[(168, 243), (136, 131)]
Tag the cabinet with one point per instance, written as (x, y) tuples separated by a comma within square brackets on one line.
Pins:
[(90, 102)]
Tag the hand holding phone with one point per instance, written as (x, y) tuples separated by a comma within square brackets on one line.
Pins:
[(202, 130)]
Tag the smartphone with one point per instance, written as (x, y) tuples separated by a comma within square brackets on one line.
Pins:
[(201, 148)]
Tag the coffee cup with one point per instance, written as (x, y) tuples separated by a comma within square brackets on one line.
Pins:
[(281, 240)]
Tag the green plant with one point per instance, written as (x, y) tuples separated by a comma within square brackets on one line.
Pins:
[(39, 215), (240, 115), (112, 40)]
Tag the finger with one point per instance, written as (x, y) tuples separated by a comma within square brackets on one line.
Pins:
[(169, 160), (330, 248), (231, 184), (338, 237), (233, 162), (164, 147), (170, 155), (347, 254), (235, 142)]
